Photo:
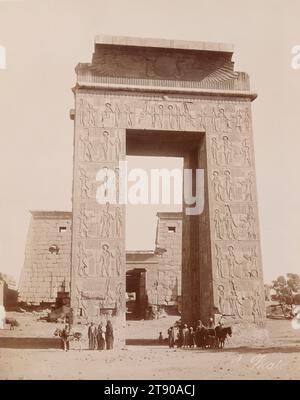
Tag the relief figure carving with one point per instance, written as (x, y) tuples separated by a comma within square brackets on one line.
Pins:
[(219, 259), (227, 150), (239, 226), (129, 115), (248, 223), (116, 146), (81, 306), (247, 187), (229, 186), (174, 116), (106, 222), (217, 186), (218, 222), (108, 116), (222, 121), (235, 300), (214, 150), (104, 261), (83, 222), (255, 299), (251, 258), (84, 185), (87, 114), (230, 151), (118, 259), (158, 116), (83, 262), (110, 146), (221, 299), (188, 118), (245, 153), (229, 224), (105, 145), (118, 221), (87, 148), (232, 263)]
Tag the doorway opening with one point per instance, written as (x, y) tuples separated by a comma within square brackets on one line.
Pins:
[(154, 232), (136, 299), (165, 279), (154, 241)]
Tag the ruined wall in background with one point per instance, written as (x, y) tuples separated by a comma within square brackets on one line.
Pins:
[(169, 245), (47, 257)]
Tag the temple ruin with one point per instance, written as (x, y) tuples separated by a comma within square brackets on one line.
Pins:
[(170, 98)]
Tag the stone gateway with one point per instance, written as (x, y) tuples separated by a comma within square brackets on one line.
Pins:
[(168, 98)]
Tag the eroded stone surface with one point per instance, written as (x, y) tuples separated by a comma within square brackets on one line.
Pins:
[(129, 88)]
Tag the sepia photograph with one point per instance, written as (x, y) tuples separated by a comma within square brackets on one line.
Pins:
[(150, 196)]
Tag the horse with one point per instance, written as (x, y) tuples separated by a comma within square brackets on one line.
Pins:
[(222, 334)]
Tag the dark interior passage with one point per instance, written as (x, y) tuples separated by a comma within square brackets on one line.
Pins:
[(136, 300)]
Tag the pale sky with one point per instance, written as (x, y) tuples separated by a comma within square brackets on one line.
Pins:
[(45, 39)]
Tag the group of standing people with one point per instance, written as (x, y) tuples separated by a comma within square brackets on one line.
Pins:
[(188, 337), (185, 337), (101, 338)]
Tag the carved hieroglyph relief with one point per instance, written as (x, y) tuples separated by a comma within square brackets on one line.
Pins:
[(103, 262), (98, 228), (101, 123), (234, 221), (232, 185), (232, 263), (186, 114), (235, 301), (230, 151), (92, 298), (99, 221), (99, 144)]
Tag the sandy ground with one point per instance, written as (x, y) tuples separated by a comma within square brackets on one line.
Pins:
[(29, 352)]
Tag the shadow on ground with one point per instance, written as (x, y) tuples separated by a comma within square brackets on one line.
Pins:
[(55, 343), (29, 343), (143, 342), (242, 349)]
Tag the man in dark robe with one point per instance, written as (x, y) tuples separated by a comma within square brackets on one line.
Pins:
[(92, 335), (171, 337), (109, 336), (200, 334)]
